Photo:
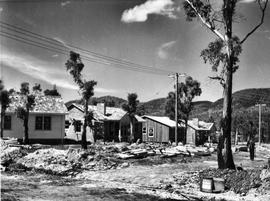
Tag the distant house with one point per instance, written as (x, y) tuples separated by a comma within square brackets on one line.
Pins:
[(160, 129), (198, 132), (46, 120), (114, 123)]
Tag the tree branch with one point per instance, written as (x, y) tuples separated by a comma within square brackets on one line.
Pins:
[(208, 25), (220, 79), (262, 8)]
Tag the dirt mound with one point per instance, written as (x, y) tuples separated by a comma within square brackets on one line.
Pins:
[(10, 153), (67, 162), (238, 181)]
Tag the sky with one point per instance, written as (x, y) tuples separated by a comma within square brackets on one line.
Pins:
[(152, 33)]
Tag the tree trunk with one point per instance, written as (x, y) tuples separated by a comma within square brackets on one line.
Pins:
[(131, 138), (2, 122), (185, 134), (84, 141), (225, 157), (25, 122), (226, 151)]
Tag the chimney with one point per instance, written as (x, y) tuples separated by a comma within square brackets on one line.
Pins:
[(101, 107)]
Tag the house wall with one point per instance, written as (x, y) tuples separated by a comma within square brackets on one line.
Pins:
[(111, 131), (57, 131), (161, 132), (191, 136), (75, 113)]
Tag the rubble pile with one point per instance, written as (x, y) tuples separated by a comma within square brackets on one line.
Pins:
[(265, 177), (67, 162), (10, 152), (238, 181), (189, 180), (48, 160)]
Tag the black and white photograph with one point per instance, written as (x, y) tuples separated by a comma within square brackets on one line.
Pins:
[(144, 100)]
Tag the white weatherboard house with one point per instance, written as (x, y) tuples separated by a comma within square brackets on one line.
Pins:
[(46, 120)]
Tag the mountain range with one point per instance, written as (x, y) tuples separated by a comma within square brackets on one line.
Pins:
[(243, 99)]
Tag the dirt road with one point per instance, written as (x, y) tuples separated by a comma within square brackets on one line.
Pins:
[(142, 180)]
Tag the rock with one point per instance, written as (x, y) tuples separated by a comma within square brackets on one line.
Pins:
[(265, 174), (124, 165), (211, 149)]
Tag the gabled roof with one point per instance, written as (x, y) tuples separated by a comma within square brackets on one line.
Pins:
[(43, 104), (163, 120), (201, 125), (112, 113)]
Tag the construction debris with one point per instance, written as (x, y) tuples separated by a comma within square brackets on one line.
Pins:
[(238, 181)]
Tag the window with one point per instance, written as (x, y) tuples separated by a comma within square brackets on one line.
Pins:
[(47, 123), (144, 131), (150, 132), (67, 124), (43, 123), (39, 123), (7, 123)]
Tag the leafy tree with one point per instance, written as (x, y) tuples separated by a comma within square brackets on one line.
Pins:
[(11, 91), (130, 107), (23, 111), (140, 110), (186, 93), (75, 66), (1, 85), (5, 101), (52, 92), (223, 55), (37, 87)]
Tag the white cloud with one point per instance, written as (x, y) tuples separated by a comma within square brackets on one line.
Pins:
[(1, 9), (140, 13), (36, 71), (63, 4), (43, 72), (164, 48), (55, 55)]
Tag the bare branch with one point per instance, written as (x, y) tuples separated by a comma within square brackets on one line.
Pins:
[(211, 27), (220, 79), (262, 8)]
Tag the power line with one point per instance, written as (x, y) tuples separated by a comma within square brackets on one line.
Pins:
[(66, 53), (50, 48), (63, 1), (91, 53)]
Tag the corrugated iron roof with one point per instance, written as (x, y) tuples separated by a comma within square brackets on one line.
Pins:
[(112, 113), (163, 120), (43, 104), (201, 125)]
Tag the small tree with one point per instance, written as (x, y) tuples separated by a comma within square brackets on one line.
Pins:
[(130, 107), (37, 87), (23, 111), (75, 66), (4, 100), (52, 92), (186, 93)]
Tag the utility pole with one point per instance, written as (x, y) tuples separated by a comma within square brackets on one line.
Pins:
[(176, 108), (260, 120), (176, 77)]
